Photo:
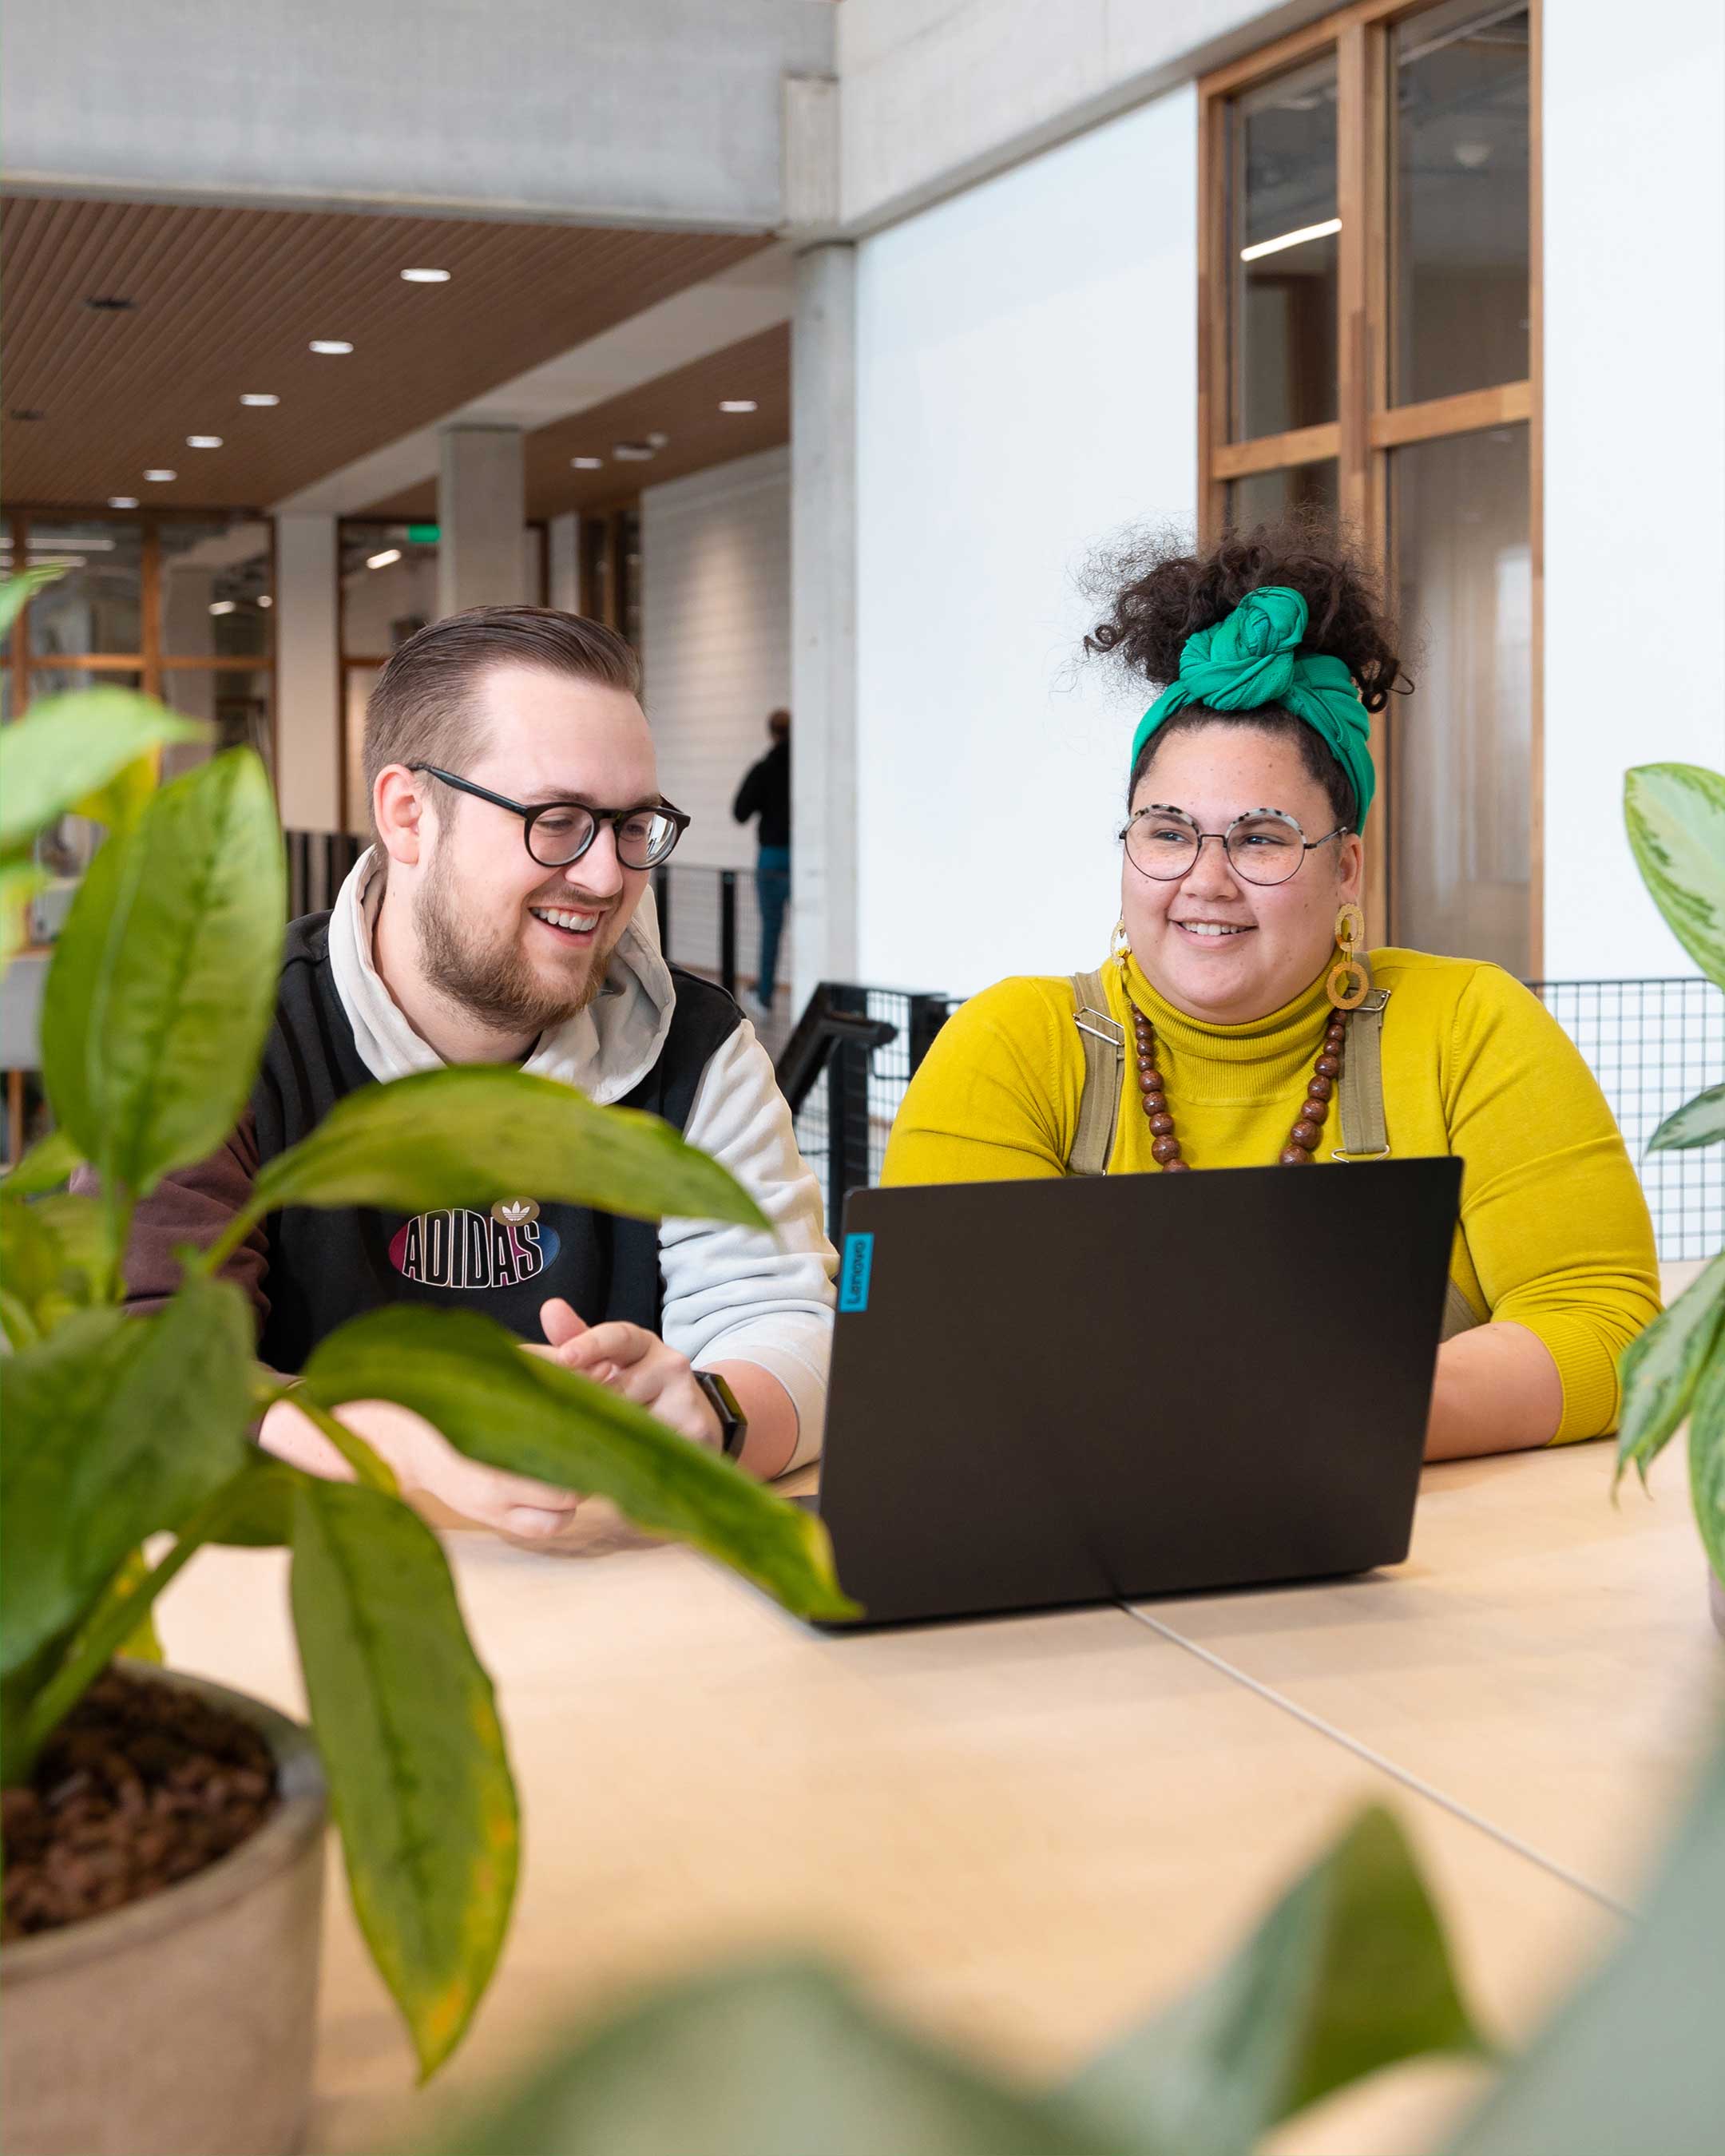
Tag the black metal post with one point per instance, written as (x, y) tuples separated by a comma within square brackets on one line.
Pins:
[(928, 1014), (728, 932), (847, 1111), (662, 896)]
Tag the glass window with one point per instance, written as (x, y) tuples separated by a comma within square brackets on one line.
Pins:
[(1459, 220), (234, 701), (357, 684), (1462, 744), (389, 587), (66, 847), (1282, 253), (1262, 497), (212, 577), (96, 604)]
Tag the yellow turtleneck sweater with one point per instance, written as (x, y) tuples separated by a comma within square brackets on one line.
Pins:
[(1553, 1232)]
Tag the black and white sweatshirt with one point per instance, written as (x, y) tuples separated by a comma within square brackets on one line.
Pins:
[(655, 1038)]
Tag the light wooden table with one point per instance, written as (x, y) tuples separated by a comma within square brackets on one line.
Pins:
[(1026, 1833)]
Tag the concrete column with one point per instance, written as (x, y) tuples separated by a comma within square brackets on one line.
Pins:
[(481, 508), (563, 537), (308, 734), (824, 617)]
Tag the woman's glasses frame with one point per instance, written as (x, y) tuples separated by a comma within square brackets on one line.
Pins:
[(1166, 810), (616, 818)]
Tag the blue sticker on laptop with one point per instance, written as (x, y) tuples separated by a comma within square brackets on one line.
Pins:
[(854, 1272)]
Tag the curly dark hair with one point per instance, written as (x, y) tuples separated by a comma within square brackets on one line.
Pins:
[(1158, 591)]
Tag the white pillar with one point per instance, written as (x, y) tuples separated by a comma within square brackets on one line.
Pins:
[(308, 734), (563, 537), (824, 617), (481, 508)]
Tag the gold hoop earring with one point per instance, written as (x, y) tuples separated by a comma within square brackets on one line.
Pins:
[(1349, 983)]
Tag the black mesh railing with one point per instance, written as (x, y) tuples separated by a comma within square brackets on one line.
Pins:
[(1650, 1045), (317, 864), (709, 921)]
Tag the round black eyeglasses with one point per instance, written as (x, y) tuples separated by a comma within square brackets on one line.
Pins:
[(558, 833), (1264, 846)]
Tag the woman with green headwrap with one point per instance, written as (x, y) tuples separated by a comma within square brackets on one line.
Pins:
[(1236, 1023)]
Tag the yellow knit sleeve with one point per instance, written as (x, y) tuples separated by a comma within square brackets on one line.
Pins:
[(997, 1097), (1556, 1224)]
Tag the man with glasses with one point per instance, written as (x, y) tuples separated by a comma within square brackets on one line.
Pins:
[(503, 914)]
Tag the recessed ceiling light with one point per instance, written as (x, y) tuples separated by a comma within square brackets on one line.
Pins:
[(265, 599), (28, 412), (383, 559), (331, 344), (633, 453), (122, 501), (738, 405), (657, 441), (160, 474), (587, 463), (258, 397), (224, 606), (107, 304), (425, 276), (203, 441)]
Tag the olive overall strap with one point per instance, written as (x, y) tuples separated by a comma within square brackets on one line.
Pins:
[(1104, 1038), (1364, 1136)]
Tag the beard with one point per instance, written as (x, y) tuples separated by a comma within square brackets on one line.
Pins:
[(486, 975)]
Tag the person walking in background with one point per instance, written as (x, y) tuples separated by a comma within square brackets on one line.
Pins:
[(766, 793)]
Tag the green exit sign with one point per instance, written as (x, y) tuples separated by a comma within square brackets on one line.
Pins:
[(423, 535)]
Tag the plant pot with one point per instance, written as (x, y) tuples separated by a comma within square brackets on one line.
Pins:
[(184, 2024)]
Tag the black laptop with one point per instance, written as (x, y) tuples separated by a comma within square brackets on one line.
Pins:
[(1101, 1391)]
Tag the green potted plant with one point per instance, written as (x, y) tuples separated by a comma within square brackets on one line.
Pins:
[(181, 2019), (1676, 814)]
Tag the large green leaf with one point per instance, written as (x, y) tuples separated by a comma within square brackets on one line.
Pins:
[(781, 2059), (408, 1727), (47, 1166), (1698, 1122), (529, 1416), (1348, 1972), (475, 1134), (53, 1258), (67, 748), (117, 1427), (1706, 1455), (1676, 814), (19, 882), (1633, 2065), (164, 981), (1659, 1369)]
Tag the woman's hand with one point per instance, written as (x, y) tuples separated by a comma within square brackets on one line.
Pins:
[(634, 1362)]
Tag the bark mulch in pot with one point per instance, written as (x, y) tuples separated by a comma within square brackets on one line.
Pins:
[(141, 1785)]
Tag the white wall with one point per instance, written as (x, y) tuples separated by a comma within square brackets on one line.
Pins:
[(1634, 455), (937, 93), (716, 638), (1027, 386)]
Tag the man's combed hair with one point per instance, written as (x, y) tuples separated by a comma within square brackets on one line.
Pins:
[(424, 709), (1159, 590)]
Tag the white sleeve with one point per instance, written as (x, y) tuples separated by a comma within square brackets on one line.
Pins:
[(732, 1294)]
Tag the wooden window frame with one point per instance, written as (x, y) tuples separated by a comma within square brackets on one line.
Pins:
[(1368, 427), (151, 663)]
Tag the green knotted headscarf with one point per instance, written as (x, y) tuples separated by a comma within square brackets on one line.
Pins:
[(1252, 659)]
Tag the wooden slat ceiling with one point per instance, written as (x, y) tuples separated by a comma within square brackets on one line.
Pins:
[(227, 300), (683, 405)]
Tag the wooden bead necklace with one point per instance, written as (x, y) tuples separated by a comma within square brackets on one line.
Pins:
[(1303, 1139)]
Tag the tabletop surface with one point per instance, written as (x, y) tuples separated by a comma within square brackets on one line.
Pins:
[(1026, 1833)]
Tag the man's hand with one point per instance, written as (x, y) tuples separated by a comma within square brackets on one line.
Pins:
[(632, 1360), (425, 1462)]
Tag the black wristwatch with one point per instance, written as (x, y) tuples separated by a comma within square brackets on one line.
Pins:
[(733, 1423)]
